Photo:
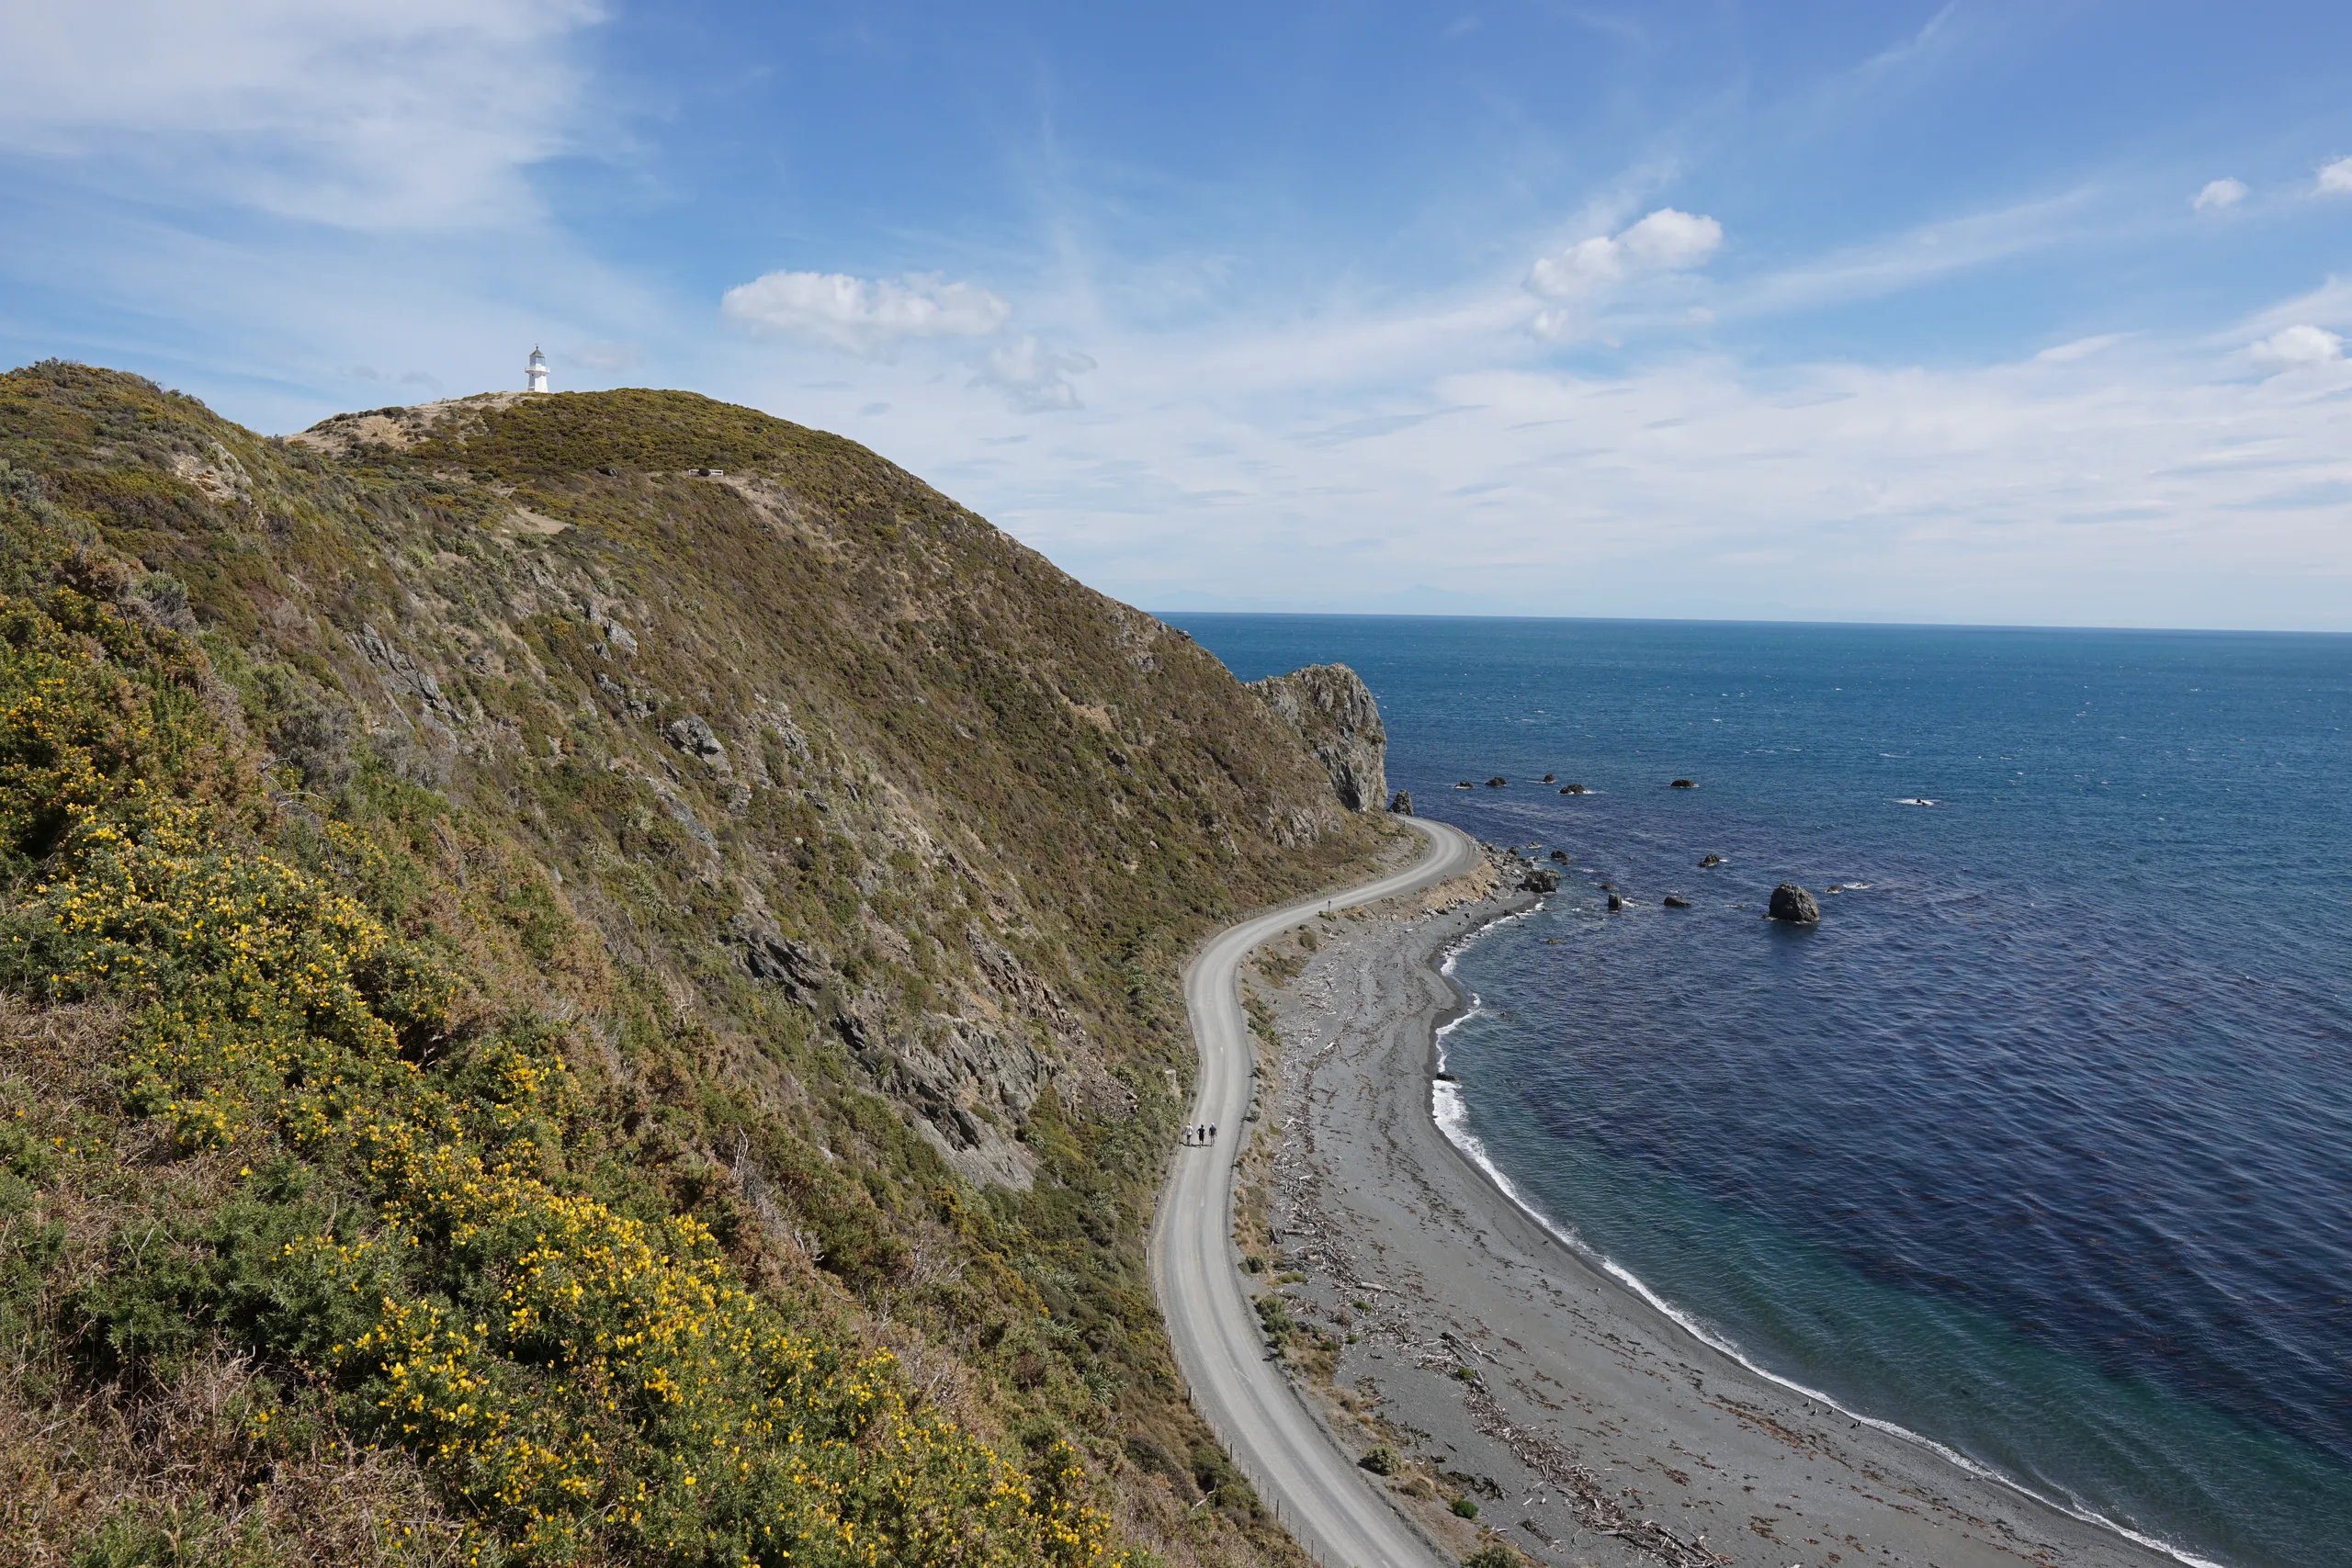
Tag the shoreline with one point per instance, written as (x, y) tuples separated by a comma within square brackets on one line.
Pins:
[(1471, 1377)]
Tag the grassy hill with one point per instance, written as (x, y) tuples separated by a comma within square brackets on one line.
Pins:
[(557, 1005)]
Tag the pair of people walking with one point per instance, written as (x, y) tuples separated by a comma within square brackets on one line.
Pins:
[(1201, 1135)]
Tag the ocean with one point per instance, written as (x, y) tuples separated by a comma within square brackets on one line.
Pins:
[(2040, 1145)]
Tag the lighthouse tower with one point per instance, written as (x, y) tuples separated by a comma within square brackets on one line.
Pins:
[(538, 371)]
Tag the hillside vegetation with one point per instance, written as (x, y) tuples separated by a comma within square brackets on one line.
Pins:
[(558, 1006)]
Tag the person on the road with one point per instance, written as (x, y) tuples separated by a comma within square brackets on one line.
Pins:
[(1212, 1132)]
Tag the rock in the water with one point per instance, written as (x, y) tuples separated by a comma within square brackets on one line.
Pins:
[(1539, 879), (1401, 803), (1560, 856), (1572, 789), (1682, 784), (1551, 778), (1795, 905), (1616, 902), (1333, 711), (693, 736), (1673, 902), (1709, 860), (1496, 781), (1465, 784)]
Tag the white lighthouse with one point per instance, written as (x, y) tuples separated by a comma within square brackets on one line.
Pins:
[(538, 371)]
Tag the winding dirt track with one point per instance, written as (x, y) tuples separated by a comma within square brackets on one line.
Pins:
[(1331, 1506)]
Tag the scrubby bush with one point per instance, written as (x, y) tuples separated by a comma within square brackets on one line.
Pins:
[(1381, 1459)]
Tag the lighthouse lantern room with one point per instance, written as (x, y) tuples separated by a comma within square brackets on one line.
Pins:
[(538, 371)]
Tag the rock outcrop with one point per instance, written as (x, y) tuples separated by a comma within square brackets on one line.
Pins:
[(1334, 712), (1401, 803), (1795, 905)]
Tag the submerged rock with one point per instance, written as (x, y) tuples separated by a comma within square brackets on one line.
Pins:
[(1795, 905), (1682, 784), (1496, 781)]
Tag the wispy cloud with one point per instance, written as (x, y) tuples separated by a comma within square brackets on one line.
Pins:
[(1913, 258), (1033, 377), (424, 114)]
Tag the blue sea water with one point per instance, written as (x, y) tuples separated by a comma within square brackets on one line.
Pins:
[(2040, 1145)]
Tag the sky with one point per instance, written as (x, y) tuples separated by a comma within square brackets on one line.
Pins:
[(2031, 314)]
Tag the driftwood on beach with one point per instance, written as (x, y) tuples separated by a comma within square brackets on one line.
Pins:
[(1596, 1507)]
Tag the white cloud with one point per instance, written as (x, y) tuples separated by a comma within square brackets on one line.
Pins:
[(1034, 378), (2218, 195), (861, 316), (2335, 179), (1334, 461), (1670, 240), (421, 114), (1667, 241), (2296, 349)]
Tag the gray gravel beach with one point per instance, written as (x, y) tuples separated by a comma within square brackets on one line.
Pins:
[(1437, 1320)]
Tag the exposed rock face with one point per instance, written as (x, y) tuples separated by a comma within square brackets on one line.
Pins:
[(1401, 803), (693, 736), (1334, 711), (1795, 905), (1539, 879)]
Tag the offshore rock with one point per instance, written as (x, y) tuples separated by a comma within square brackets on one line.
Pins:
[(1334, 712), (1795, 905), (1709, 860), (1401, 803), (1539, 879)]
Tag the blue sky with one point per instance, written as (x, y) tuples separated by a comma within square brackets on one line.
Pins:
[(2024, 312)]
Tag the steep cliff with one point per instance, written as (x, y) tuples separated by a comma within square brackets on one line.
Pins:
[(1334, 712), (591, 978)]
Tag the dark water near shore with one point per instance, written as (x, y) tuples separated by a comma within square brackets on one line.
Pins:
[(2040, 1144)]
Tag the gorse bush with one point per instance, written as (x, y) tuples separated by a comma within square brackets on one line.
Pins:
[(583, 1381)]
